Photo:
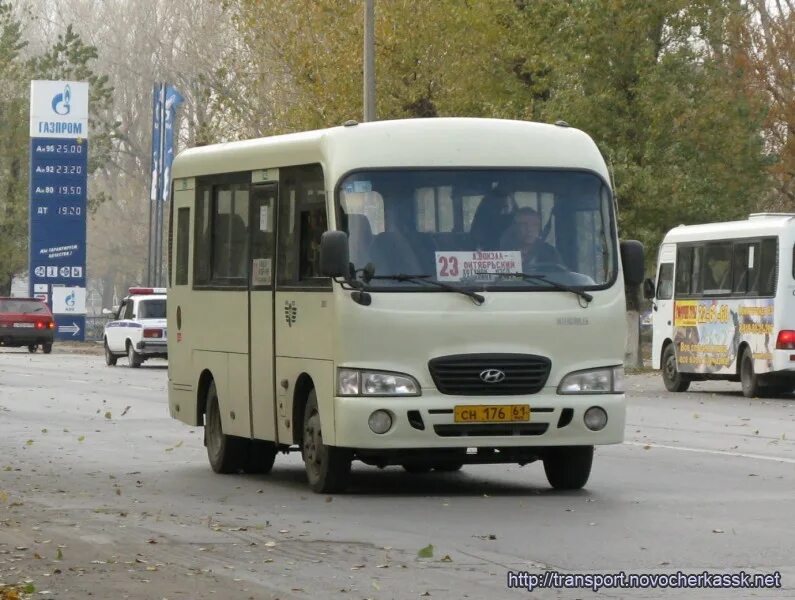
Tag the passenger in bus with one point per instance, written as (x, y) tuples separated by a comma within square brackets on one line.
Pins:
[(523, 235), (492, 217), (717, 273)]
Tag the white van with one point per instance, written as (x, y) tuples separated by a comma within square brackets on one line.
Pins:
[(723, 305), (425, 293)]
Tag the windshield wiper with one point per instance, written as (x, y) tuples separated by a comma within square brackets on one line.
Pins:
[(476, 298), (543, 278)]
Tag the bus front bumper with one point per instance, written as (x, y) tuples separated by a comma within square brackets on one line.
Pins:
[(428, 421)]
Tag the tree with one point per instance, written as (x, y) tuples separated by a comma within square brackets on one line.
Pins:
[(768, 55), (13, 144)]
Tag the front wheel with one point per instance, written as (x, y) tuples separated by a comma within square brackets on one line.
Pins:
[(674, 380), (568, 468), (328, 468), (227, 453)]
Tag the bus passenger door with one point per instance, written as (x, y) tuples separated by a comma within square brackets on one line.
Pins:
[(663, 303), (261, 268)]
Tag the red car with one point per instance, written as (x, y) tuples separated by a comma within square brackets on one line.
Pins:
[(26, 322)]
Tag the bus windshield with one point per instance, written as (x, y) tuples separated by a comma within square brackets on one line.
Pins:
[(479, 228)]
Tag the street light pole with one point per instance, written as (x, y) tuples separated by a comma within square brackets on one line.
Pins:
[(369, 60)]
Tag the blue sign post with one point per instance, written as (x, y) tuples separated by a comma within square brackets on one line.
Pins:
[(58, 192)]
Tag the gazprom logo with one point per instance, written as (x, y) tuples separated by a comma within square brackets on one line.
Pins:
[(62, 103)]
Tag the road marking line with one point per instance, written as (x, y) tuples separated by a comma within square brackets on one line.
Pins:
[(720, 452)]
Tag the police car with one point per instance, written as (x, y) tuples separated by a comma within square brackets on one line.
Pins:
[(139, 328)]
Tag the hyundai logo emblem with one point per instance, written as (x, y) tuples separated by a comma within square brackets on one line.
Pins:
[(492, 376)]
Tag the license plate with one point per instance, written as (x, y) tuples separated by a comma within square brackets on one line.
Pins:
[(23, 325), (500, 413)]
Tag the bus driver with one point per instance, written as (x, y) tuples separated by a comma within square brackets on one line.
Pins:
[(524, 234)]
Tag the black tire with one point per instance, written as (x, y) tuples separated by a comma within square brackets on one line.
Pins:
[(32, 348), (449, 468), (227, 453), (133, 358), (417, 468), (674, 380), (752, 387), (110, 358), (569, 467), (46, 347), (328, 468), (260, 456)]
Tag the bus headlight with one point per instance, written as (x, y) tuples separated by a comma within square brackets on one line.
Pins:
[(356, 382), (609, 380)]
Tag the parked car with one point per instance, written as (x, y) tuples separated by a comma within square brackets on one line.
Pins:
[(139, 328), (26, 322)]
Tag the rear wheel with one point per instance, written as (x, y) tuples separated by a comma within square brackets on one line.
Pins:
[(133, 358), (674, 380), (32, 348), (227, 453), (328, 468), (260, 456), (752, 387), (568, 468), (46, 347), (417, 468), (110, 358)]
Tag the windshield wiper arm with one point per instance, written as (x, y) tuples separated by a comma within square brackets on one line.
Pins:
[(543, 278), (476, 298)]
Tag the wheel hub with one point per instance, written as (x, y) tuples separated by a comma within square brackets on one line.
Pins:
[(313, 439)]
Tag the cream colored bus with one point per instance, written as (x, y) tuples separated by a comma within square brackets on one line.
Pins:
[(426, 293)]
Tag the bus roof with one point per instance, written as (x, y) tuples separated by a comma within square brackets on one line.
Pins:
[(438, 142), (757, 224)]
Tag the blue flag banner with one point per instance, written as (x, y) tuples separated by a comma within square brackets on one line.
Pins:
[(172, 101), (157, 117)]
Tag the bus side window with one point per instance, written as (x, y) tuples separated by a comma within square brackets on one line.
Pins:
[(746, 268), (183, 245), (302, 221), (684, 270), (665, 282), (768, 266)]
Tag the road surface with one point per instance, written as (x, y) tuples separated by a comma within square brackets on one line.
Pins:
[(102, 494)]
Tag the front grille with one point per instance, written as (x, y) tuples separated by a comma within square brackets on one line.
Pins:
[(490, 429), (461, 374)]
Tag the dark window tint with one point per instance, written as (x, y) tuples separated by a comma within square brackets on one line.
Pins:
[(665, 283), (768, 266), (183, 244), (229, 233), (201, 237), (152, 309), (746, 268), (25, 307), (302, 220), (716, 270), (684, 270)]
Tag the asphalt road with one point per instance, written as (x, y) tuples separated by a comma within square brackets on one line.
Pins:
[(102, 494)]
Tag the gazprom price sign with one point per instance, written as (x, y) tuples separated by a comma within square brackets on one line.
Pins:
[(58, 178)]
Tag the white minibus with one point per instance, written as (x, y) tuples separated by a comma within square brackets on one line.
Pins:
[(426, 293), (724, 306)]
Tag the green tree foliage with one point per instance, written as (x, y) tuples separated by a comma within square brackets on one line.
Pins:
[(13, 143), (657, 85)]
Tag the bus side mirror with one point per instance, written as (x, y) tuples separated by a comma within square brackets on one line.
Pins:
[(334, 257), (632, 259), (648, 289)]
